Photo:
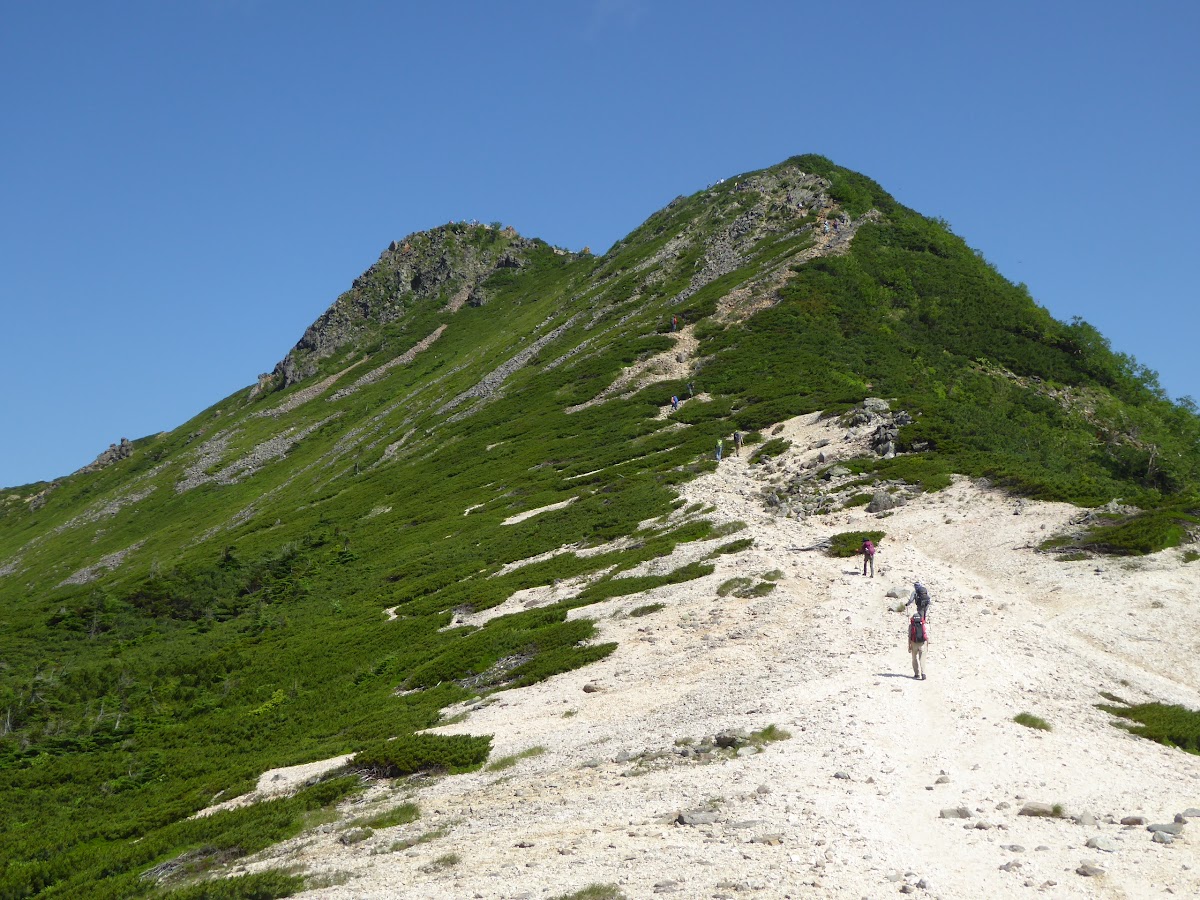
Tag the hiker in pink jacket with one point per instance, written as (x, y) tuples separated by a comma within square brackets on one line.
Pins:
[(868, 552)]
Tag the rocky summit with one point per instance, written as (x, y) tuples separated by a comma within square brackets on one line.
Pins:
[(530, 573)]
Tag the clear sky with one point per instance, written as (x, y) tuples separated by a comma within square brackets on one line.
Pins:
[(185, 186)]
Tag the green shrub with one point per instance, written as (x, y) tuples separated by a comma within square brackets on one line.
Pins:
[(734, 584), (769, 735), (745, 588), (1031, 721), (413, 753), (507, 762), (401, 815), (849, 543), (1142, 534), (772, 448), (1174, 726), (646, 610), (734, 547), (1190, 556)]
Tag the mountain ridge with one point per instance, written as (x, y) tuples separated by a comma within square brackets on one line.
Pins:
[(309, 567)]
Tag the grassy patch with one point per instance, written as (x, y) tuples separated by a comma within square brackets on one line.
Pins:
[(423, 838), (849, 543), (442, 863), (594, 892), (1031, 721), (401, 815), (769, 735), (645, 610), (507, 762), (727, 528), (1190, 556)]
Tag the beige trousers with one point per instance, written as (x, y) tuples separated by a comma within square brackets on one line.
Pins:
[(918, 658)]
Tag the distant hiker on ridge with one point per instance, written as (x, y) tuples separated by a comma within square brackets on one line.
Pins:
[(737, 443), (868, 552), (719, 448)]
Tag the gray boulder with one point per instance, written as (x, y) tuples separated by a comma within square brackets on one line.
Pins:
[(732, 737), (960, 812), (1171, 828), (881, 502)]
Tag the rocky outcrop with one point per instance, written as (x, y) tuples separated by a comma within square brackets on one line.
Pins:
[(114, 453), (446, 265), (111, 561)]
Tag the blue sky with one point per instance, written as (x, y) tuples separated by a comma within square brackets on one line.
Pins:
[(184, 187)]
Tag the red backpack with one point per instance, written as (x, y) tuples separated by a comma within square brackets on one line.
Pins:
[(918, 631)]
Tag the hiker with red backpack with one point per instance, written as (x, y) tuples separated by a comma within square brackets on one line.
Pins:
[(918, 640), (918, 628), (868, 552)]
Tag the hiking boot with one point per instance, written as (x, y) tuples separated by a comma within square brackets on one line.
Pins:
[(922, 676)]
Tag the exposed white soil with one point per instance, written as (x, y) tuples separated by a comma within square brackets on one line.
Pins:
[(824, 657), (279, 782), (669, 365), (530, 513)]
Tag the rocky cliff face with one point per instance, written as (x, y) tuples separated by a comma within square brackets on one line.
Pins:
[(114, 453), (446, 265)]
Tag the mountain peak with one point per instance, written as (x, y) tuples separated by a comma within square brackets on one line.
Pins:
[(446, 265)]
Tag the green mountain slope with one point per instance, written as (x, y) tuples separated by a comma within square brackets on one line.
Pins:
[(278, 580)]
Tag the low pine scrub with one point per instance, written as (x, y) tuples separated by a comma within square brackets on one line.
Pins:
[(408, 754), (849, 543), (1174, 726)]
